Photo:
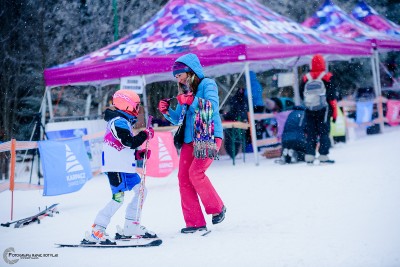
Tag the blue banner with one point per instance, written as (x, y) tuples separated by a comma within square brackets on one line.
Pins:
[(70, 133), (66, 166), (364, 111)]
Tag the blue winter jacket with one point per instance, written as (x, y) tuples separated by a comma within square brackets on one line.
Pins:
[(207, 90)]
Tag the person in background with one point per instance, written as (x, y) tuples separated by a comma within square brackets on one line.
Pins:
[(160, 122), (238, 107), (278, 104), (198, 104), (256, 91), (258, 105), (318, 95), (121, 149)]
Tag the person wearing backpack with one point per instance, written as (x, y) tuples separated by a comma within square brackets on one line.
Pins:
[(319, 98)]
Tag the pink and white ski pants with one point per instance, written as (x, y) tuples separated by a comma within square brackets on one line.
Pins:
[(193, 183)]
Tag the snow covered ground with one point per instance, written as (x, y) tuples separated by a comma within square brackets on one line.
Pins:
[(343, 215)]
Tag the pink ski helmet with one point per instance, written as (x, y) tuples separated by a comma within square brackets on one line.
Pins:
[(127, 101)]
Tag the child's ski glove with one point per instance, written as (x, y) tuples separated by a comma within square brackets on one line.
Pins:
[(139, 154), (149, 132)]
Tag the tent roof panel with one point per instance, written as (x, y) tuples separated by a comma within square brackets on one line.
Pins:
[(219, 32), (366, 14), (331, 19)]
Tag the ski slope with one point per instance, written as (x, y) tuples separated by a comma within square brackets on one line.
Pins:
[(341, 215)]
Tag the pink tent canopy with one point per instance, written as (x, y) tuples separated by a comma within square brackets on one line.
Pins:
[(366, 14), (333, 20), (222, 33)]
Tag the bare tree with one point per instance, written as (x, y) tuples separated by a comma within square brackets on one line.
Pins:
[(37, 34)]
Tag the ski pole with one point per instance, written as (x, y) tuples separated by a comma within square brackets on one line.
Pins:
[(143, 180)]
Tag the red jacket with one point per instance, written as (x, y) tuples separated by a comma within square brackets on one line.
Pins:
[(318, 66)]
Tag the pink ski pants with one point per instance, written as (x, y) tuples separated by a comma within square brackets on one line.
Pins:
[(193, 183)]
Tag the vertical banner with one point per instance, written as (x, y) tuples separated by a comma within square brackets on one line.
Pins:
[(164, 158), (364, 111), (393, 112), (66, 166)]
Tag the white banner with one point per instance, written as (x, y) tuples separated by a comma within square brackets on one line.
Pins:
[(134, 83)]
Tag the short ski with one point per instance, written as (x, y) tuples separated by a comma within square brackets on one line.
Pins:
[(132, 243), (197, 233), (123, 237), (206, 233), (35, 218), (319, 163)]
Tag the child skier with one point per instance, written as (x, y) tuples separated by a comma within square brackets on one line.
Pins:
[(119, 164)]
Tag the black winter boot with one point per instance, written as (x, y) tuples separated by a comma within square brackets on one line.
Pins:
[(190, 230), (217, 218)]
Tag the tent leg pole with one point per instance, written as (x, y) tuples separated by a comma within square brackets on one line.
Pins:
[(296, 86), (376, 80), (379, 94), (43, 109), (87, 107), (145, 104), (48, 91), (251, 112)]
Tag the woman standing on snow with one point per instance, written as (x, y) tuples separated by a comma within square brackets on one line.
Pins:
[(198, 104)]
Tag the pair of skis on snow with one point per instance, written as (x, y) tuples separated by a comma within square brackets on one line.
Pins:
[(121, 241), (118, 242), (47, 212)]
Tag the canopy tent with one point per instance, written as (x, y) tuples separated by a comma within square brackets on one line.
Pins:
[(332, 19), (229, 36), (366, 14), (221, 32)]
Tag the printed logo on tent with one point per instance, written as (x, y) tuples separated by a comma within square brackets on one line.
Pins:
[(333, 20), (179, 29), (366, 14)]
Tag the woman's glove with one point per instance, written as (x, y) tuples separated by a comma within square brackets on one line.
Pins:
[(163, 106), (185, 99)]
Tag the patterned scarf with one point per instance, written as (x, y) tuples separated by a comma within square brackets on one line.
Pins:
[(204, 140)]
